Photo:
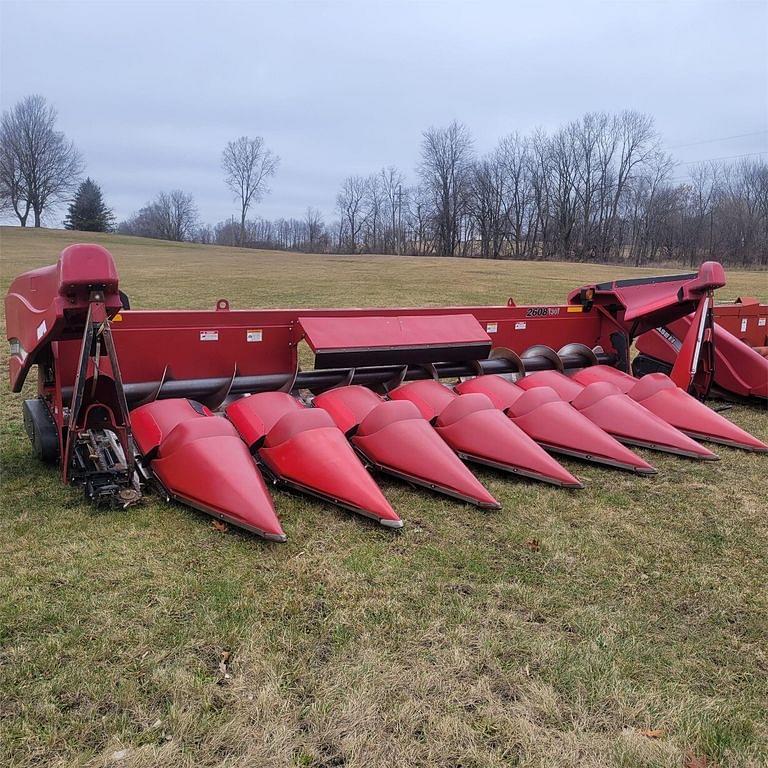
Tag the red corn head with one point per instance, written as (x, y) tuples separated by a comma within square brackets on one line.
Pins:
[(201, 461), (479, 432), (396, 439), (555, 424), (607, 406), (659, 394), (304, 449)]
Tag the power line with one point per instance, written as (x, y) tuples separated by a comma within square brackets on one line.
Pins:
[(714, 141), (726, 157)]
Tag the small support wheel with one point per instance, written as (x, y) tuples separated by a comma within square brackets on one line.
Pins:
[(41, 430)]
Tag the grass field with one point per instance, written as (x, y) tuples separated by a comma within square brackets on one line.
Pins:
[(634, 634)]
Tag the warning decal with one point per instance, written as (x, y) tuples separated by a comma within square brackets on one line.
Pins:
[(209, 335), (254, 334)]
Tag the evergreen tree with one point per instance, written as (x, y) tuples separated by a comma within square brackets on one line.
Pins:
[(88, 212)]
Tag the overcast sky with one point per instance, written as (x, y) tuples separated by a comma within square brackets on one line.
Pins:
[(150, 92)]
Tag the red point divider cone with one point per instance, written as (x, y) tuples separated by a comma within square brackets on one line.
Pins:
[(607, 406), (479, 432), (305, 450), (396, 439), (659, 394), (555, 424)]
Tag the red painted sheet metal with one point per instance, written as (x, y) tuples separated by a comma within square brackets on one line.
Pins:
[(658, 393), (501, 391), (265, 341), (395, 438), (201, 461), (51, 302), (739, 370), (83, 266), (338, 333), (616, 413), (555, 424), (695, 354), (255, 419), (430, 397), (746, 318), (596, 373), (154, 422), (655, 300), (305, 449), (479, 432), (348, 406), (567, 388), (611, 409)]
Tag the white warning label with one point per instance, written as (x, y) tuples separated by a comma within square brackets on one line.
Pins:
[(41, 329), (521, 326), (761, 321), (254, 334), (209, 335), (491, 327), (743, 324)]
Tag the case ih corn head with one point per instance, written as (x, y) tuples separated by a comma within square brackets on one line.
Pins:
[(206, 406)]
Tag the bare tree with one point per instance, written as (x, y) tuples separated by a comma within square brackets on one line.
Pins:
[(313, 221), (171, 216), (204, 234), (445, 169), (179, 215), (350, 202), (638, 143), (563, 192), (517, 168), (374, 206), (248, 165), (392, 183), (648, 199), (420, 221), (488, 192), (700, 193), (13, 190), (39, 166)]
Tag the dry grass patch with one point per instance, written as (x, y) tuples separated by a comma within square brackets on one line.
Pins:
[(644, 608)]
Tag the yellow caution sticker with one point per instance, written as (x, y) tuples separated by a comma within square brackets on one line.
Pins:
[(575, 308), (117, 318)]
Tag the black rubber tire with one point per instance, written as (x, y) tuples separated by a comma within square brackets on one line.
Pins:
[(41, 430)]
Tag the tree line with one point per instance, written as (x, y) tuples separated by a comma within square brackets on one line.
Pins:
[(601, 188)]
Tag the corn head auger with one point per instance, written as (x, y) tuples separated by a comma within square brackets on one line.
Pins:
[(205, 405)]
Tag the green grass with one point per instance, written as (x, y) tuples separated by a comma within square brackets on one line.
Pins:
[(451, 644)]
